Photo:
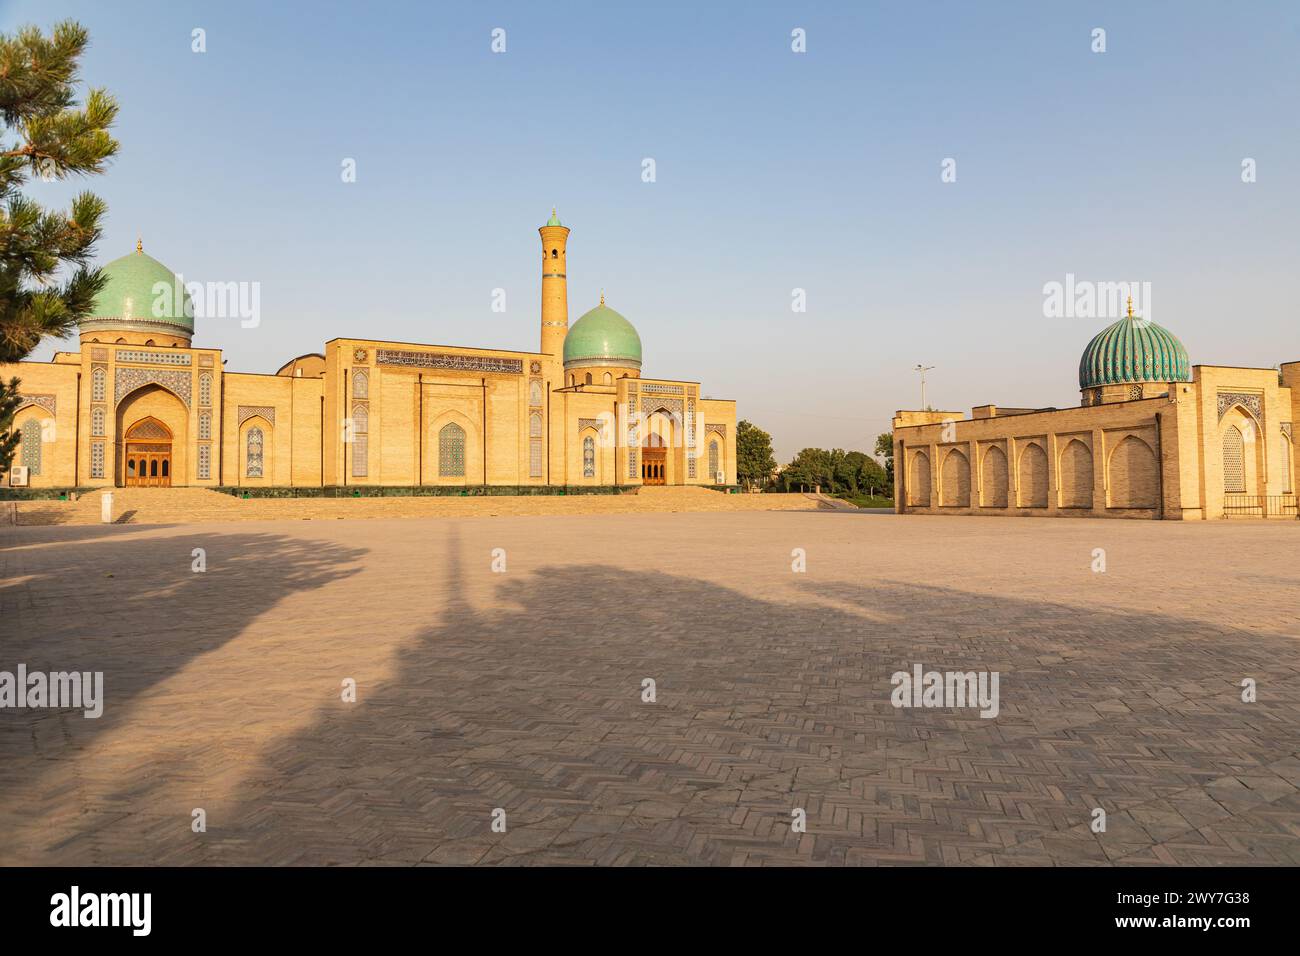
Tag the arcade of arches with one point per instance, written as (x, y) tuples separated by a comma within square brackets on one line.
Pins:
[(1217, 445)]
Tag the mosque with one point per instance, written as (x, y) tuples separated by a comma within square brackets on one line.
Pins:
[(140, 405), (1153, 437)]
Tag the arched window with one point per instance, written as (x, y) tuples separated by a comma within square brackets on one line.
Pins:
[(535, 393), (535, 425), (589, 457), (253, 468), (555, 253), (98, 380), (205, 424), (32, 445), (360, 384), (205, 389), (1234, 461), (573, 379), (588, 378), (713, 461), (609, 379), (97, 421), (148, 342), (451, 451)]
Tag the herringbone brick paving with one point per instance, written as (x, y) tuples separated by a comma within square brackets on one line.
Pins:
[(522, 691)]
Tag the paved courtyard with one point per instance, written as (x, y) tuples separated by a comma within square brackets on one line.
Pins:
[(522, 690)]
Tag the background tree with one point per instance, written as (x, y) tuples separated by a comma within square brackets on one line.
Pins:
[(836, 472), (46, 284), (755, 461), (885, 450)]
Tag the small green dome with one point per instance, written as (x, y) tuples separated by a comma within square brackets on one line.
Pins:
[(1133, 350), (602, 337), (132, 298), (554, 220)]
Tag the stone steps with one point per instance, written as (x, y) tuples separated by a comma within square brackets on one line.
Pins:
[(191, 505)]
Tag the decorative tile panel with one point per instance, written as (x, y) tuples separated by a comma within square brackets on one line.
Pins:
[(461, 363), (595, 423), (97, 459), (1286, 430), (205, 361), (690, 425), (99, 355), (153, 358), (205, 461), (673, 406), (650, 388), (127, 380), (245, 412), (1248, 400), (535, 458), (47, 402), (719, 429)]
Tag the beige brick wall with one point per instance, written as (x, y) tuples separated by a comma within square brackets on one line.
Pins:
[(1160, 456)]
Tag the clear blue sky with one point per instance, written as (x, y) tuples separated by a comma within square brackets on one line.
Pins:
[(776, 170)]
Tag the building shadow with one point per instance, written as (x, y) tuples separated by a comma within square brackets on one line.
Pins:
[(130, 604), (532, 702)]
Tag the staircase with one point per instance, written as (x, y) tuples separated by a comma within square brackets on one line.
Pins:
[(134, 506)]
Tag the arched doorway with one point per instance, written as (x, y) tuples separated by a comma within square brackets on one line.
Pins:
[(148, 454), (654, 460)]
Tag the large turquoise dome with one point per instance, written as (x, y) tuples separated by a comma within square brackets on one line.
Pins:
[(133, 299), (1133, 350), (602, 337)]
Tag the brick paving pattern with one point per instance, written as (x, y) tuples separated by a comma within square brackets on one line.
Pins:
[(522, 691)]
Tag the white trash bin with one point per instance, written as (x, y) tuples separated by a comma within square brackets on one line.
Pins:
[(106, 508)]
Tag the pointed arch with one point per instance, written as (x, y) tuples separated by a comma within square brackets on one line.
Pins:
[(30, 453), (918, 481), (1234, 461), (1075, 475), (954, 480), (451, 458), (1033, 477), (451, 451), (993, 478), (1132, 478)]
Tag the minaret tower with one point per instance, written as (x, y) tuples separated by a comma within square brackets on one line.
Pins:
[(555, 286)]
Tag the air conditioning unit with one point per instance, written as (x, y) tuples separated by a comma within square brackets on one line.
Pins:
[(18, 476), (720, 478)]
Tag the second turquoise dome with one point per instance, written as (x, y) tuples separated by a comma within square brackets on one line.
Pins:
[(602, 336), (1133, 350)]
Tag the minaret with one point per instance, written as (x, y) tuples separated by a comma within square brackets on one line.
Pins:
[(555, 286)]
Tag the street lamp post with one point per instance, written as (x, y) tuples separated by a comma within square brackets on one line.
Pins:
[(923, 369)]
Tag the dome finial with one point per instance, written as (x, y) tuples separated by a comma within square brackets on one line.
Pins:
[(1130, 307), (139, 244), (602, 296)]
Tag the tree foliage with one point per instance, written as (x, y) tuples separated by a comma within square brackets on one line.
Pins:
[(46, 283), (755, 461), (885, 450), (835, 471)]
